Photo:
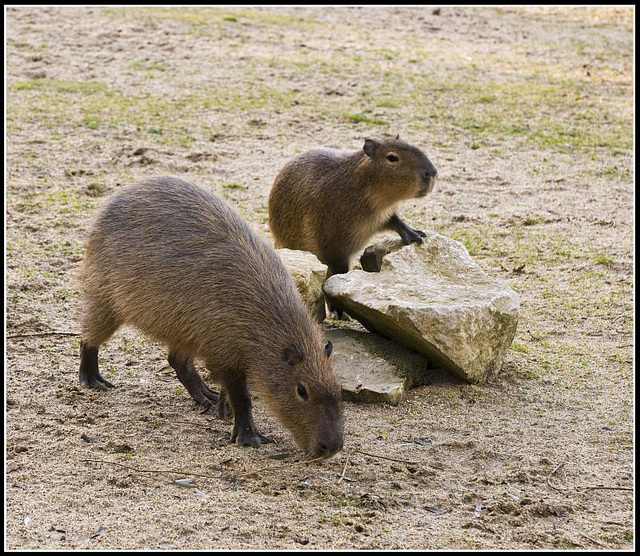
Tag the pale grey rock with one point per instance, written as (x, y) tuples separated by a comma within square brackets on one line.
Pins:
[(308, 274), (434, 299), (372, 368)]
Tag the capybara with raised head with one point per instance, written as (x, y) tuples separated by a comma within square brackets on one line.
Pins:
[(331, 202), (175, 261)]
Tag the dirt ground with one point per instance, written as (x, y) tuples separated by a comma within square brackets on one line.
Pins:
[(526, 113)]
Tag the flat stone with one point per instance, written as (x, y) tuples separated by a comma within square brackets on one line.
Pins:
[(308, 274), (433, 298), (372, 368)]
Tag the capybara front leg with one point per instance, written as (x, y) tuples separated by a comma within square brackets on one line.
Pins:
[(244, 429), (188, 375), (408, 235), (89, 374)]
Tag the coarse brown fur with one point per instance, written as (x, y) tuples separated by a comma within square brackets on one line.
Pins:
[(331, 202), (177, 262)]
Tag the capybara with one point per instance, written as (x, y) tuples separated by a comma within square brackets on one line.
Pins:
[(175, 261), (331, 202)]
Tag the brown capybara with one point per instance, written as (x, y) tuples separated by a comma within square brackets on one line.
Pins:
[(175, 261), (331, 202)]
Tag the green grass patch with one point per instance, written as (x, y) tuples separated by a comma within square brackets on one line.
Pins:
[(604, 260), (532, 220), (66, 203), (206, 16), (475, 240), (388, 104), (56, 85), (92, 122), (146, 65), (232, 185), (519, 347)]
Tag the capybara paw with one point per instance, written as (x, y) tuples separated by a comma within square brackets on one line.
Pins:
[(95, 383), (205, 396), (419, 232), (338, 314), (412, 236), (246, 437)]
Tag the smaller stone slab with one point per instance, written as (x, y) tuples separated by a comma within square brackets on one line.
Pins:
[(308, 274), (373, 369)]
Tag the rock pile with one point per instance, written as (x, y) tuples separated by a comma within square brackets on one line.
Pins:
[(434, 299)]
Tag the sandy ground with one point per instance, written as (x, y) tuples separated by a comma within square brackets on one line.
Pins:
[(526, 113)]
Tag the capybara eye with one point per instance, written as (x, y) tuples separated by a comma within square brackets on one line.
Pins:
[(392, 158), (302, 392)]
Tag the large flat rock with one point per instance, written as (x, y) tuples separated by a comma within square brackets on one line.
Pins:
[(308, 274), (434, 299)]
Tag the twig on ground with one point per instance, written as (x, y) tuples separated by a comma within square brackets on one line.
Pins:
[(534, 337), (34, 334), (601, 487), (559, 489), (162, 368), (344, 469), (594, 541), (156, 471), (390, 459), (588, 487), (192, 424), (272, 467)]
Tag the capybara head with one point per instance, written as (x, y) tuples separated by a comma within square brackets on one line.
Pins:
[(306, 396), (401, 171)]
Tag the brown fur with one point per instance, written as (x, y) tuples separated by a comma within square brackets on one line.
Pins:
[(177, 262), (331, 202)]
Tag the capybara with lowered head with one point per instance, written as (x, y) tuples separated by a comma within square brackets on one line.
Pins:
[(331, 202), (175, 261)]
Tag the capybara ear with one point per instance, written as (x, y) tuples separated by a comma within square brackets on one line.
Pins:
[(328, 349), (370, 147), (292, 355)]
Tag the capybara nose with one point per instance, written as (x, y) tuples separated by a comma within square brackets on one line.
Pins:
[(328, 448), (430, 173)]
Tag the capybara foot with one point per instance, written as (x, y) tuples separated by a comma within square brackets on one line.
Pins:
[(204, 395), (95, 381), (409, 235), (246, 436), (338, 314), (419, 232), (89, 374)]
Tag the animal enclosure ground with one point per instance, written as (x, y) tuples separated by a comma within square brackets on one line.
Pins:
[(527, 115)]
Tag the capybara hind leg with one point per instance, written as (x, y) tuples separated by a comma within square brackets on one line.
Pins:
[(188, 375), (98, 326), (224, 409), (244, 429), (337, 265), (89, 374)]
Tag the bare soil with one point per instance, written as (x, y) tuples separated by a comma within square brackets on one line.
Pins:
[(526, 112)]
